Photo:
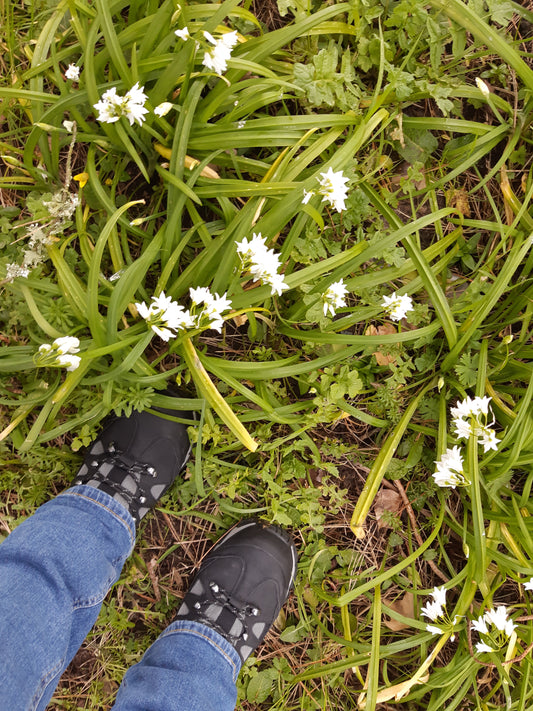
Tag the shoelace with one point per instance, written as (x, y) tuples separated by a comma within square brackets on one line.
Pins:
[(238, 608), (122, 461)]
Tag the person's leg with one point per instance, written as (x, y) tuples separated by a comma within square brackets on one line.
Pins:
[(233, 601), (190, 667), (58, 565), (55, 570)]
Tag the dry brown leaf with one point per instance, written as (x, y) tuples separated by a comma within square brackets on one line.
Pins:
[(386, 500), (405, 605), (240, 319), (385, 329), (459, 200)]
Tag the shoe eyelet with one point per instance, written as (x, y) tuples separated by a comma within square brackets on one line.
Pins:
[(111, 447), (214, 587), (245, 636), (151, 471), (197, 606), (94, 463), (142, 499), (255, 611)]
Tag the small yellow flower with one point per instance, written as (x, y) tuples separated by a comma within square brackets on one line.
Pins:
[(82, 179)]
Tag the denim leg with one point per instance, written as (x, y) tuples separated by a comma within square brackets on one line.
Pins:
[(55, 570), (189, 667)]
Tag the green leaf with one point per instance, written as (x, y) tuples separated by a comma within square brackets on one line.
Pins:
[(260, 686)]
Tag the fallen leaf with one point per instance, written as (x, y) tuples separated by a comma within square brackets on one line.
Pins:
[(385, 329), (386, 500), (405, 605), (240, 319)]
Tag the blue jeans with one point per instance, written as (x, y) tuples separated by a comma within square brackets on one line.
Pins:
[(55, 570)]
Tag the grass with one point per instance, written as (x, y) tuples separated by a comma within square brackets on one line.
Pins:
[(327, 424)]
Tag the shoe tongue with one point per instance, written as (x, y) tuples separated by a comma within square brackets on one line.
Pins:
[(229, 622)]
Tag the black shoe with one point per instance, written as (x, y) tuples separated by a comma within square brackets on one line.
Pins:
[(136, 459), (242, 584)]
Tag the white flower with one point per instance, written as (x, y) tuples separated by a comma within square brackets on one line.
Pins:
[(217, 57), (433, 629), (332, 188), (489, 440), (529, 584), (108, 107), (164, 333), (397, 306), (136, 94), (277, 284), (509, 627), (70, 362), (165, 316), (450, 469), (229, 39), (498, 618), (463, 428), (484, 89), (68, 125), (218, 304), (333, 297), (432, 610), (214, 307), (183, 34), (72, 72), (439, 595), (134, 107), (163, 109), (67, 344), (480, 625), (60, 353), (112, 106), (482, 647), (467, 421), (262, 263), (471, 407), (199, 294)]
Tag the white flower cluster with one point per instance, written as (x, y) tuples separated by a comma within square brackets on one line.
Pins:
[(504, 627), (469, 417), (529, 584), (261, 262), (216, 57), (166, 317), (436, 609), (333, 297), (450, 469), (72, 72), (60, 353), (397, 306), (213, 306), (332, 188), (112, 106)]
